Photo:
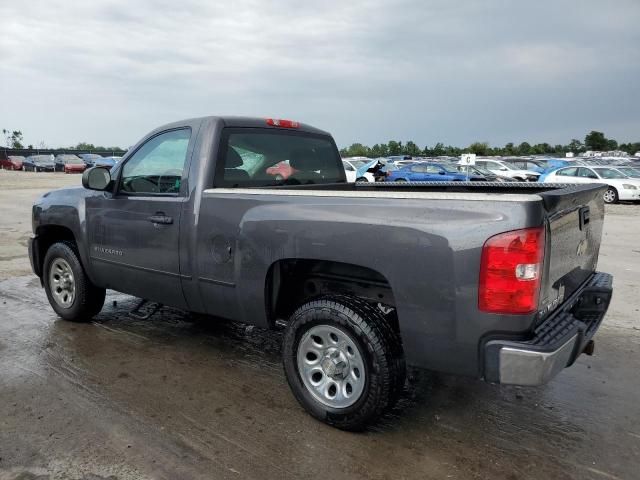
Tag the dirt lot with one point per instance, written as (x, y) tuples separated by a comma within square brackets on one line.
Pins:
[(175, 398)]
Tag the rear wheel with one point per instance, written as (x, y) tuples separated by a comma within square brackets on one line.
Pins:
[(69, 290), (401, 180), (343, 361), (362, 180), (610, 196)]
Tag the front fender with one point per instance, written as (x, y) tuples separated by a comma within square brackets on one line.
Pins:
[(63, 209)]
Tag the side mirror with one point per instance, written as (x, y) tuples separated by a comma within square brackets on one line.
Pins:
[(96, 178), (441, 172), (504, 169)]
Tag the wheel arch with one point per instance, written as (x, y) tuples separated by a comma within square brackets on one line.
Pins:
[(50, 233), (290, 282)]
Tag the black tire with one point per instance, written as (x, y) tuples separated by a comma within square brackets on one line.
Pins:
[(362, 180), (610, 195), (88, 300), (381, 348), (401, 180)]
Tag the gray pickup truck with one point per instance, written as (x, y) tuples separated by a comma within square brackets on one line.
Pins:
[(496, 281)]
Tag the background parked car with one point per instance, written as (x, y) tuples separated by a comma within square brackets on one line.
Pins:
[(12, 162), (61, 160), (425, 172), (38, 163), (74, 165), (281, 170), (621, 187), (505, 169), (89, 158), (106, 161), (361, 167)]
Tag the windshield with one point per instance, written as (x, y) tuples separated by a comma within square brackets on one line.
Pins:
[(42, 159), (609, 173), (249, 152)]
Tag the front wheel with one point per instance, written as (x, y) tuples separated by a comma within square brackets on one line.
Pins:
[(362, 180), (401, 180), (610, 196), (343, 361), (69, 290)]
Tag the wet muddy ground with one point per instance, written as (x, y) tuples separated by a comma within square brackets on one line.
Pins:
[(178, 397)]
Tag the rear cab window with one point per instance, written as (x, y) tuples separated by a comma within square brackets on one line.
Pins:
[(246, 155)]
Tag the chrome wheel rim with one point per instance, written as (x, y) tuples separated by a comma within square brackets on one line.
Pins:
[(62, 283), (609, 196), (331, 366)]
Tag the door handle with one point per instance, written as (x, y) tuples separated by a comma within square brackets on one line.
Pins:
[(161, 219)]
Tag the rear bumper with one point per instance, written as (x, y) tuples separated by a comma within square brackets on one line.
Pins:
[(556, 342)]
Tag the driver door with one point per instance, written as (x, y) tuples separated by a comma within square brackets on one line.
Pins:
[(134, 233)]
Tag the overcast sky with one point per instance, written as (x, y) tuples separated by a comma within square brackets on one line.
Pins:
[(367, 71)]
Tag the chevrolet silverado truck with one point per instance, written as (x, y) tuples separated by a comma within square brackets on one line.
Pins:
[(492, 280)]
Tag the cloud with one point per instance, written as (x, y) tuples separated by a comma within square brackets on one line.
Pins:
[(108, 72)]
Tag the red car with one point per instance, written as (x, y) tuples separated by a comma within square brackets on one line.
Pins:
[(71, 165), (12, 162), (281, 171)]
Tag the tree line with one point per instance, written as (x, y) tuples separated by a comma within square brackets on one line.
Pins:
[(592, 141), (15, 139)]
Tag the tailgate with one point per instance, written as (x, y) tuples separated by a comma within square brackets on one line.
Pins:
[(575, 217)]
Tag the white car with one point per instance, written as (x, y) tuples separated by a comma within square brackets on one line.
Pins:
[(351, 166), (621, 187), (505, 169)]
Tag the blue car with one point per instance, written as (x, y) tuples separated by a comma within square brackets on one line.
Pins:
[(424, 172)]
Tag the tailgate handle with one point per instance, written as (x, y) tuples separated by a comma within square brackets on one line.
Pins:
[(584, 217)]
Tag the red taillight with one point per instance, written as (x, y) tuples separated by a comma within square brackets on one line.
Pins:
[(282, 123), (510, 272)]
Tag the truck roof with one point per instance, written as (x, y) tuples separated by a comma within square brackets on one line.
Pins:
[(239, 121)]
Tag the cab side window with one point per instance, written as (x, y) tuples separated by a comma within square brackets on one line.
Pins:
[(157, 167)]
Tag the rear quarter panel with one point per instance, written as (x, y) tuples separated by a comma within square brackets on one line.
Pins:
[(429, 252)]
